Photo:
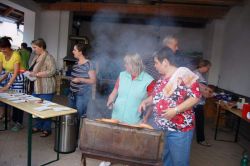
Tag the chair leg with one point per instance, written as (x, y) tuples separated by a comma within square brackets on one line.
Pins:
[(83, 160)]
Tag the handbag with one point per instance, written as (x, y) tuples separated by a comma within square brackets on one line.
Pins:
[(30, 88)]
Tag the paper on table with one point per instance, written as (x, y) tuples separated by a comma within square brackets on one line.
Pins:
[(48, 103), (43, 108), (13, 98), (5, 95), (32, 98), (27, 74), (18, 101), (19, 94), (61, 109)]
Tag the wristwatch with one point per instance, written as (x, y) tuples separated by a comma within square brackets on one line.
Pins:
[(177, 110)]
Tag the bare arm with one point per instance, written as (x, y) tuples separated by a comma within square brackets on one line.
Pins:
[(1, 67), (148, 101), (12, 79), (90, 80), (112, 97), (148, 114), (5, 75)]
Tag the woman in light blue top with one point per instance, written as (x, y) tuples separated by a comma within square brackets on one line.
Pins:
[(130, 89)]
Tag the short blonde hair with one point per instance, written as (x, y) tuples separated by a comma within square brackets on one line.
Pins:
[(135, 61)]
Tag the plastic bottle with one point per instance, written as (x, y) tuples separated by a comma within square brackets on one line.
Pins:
[(244, 160)]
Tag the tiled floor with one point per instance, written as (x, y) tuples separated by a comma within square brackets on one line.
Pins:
[(13, 147)]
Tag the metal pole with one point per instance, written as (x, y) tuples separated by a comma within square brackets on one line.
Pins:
[(29, 139), (58, 122), (217, 121), (6, 116), (237, 129), (58, 136)]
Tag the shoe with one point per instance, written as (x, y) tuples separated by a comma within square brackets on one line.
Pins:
[(36, 130), (204, 143), (105, 163), (45, 133), (17, 127)]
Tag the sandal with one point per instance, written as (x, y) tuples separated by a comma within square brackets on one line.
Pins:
[(204, 143), (35, 130), (45, 134)]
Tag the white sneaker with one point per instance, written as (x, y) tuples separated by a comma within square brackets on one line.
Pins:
[(105, 163)]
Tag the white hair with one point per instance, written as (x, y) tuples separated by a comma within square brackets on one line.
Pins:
[(135, 61)]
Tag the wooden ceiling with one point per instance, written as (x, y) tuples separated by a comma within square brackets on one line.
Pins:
[(11, 14), (190, 13)]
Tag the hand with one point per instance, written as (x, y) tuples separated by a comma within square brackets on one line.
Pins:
[(144, 120), (3, 89), (169, 113), (142, 107), (32, 74), (110, 104), (76, 80)]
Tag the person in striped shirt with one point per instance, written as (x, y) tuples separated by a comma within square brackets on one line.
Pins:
[(10, 62), (83, 76)]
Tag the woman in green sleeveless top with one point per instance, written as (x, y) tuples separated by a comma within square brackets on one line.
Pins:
[(129, 91)]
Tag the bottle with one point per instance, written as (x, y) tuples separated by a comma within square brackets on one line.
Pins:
[(244, 160)]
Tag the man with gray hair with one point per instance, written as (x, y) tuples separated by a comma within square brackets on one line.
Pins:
[(181, 60), (171, 42)]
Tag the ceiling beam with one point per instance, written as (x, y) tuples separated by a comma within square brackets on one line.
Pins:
[(168, 10), (206, 2), (20, 20), (8, 11)]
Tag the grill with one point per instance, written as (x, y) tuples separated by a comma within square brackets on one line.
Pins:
[(120, 143)]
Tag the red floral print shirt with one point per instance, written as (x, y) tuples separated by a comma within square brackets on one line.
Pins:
[(181, 122)]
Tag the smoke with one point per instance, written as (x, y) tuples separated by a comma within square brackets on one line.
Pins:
[(112, 41)]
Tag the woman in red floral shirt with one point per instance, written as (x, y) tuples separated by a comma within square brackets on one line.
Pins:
[(174, 96)]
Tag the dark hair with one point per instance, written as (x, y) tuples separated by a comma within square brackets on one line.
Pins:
[(39, 42), (29, 49), (203, 63), (165, 53), (82, 48), (5, 42), (24, 45)]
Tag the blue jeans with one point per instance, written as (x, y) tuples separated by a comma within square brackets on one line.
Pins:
[(79, 101), (44, 124), (177, 148)]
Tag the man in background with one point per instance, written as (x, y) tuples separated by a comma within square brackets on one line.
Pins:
[(182, 60), (25, 55), (171, 42)]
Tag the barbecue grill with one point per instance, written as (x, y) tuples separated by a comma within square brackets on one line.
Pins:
[(120, 143)]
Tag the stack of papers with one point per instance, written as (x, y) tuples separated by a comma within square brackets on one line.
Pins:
[(42, 108), (18, 101), (5, 95), (61, 109), (48, 103), (13, 98)]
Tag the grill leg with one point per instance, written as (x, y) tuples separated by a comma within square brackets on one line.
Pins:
[(83, 160)]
